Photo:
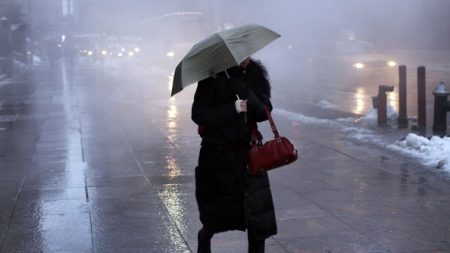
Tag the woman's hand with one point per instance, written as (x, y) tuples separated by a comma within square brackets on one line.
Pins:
[(241, 105)]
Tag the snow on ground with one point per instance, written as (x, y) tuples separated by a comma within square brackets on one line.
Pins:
[(371, 115), (326, 104), (434, 152), (37, 61)]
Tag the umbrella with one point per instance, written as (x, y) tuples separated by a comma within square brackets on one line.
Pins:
[(219, 52)]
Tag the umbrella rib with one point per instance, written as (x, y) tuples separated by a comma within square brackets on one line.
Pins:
[(228, 48)]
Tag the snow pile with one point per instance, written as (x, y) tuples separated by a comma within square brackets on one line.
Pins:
[(433, 152), (346, 125), (371, 115), (364, 135), (37, 61), (302, 118)]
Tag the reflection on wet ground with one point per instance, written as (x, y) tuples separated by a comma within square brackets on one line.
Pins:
[(94, 161)]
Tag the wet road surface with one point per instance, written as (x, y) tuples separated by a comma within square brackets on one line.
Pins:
[(99, 161)]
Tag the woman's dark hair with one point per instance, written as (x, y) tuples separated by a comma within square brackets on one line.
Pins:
[(259, 74)]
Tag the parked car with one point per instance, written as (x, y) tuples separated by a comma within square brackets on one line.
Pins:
[(353, 62)]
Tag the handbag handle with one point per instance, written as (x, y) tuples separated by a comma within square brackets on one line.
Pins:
[(272, 123)]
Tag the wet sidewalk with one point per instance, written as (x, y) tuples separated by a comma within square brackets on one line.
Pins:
[(95, 162)]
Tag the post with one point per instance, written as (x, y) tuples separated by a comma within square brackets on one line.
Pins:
[(381, 101), (441, 107), (421, 98), (402, 99)]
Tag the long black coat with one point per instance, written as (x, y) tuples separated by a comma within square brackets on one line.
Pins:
[(228, 197)]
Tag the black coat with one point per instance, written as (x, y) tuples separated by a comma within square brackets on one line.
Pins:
[(228, 197)]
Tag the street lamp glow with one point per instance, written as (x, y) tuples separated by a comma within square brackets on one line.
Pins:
[(359, 65), (136, 49), (170, 54), (391, 64), (131, 53), (104, 52)]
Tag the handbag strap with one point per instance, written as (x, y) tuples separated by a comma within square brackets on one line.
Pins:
[(272, 123)]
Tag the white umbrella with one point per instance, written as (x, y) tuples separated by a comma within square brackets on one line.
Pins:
[(219, 52)]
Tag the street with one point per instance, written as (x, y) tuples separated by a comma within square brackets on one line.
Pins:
[(100, 159)]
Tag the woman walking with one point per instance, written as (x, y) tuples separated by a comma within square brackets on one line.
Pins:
[(225, 108)]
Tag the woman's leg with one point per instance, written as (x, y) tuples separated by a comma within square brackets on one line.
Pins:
[(255, 245), (204, 240)]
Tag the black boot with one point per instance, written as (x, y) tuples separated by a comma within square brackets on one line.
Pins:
[(204, 241), (255, 245)]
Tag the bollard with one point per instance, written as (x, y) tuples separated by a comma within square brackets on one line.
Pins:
[(379, 103), (402, 114), (421, 98), (441, 107)]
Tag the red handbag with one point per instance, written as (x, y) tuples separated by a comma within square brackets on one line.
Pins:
[(272, 154)]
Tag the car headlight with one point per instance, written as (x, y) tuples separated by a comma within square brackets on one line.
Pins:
[(104, 52), (359, 65), (170, 54), (391, 64), (137, 49), (120, 54), (90, 53), (131, 53)]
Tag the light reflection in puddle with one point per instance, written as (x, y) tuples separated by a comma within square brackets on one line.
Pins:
[(172, 116), (170, 194), (50, 213), (360, 97), (172, 166), (172, 112), (392, 98)]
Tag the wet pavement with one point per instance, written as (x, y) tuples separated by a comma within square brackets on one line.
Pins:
[(94, 161)]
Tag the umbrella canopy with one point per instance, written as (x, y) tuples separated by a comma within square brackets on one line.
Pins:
[(219, 52)]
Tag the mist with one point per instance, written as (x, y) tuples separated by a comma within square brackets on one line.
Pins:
[(304, 25), (173, 27), (392, 24)]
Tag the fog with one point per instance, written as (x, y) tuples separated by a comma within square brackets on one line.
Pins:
[(401, 28), (393, 24), (304, 25)]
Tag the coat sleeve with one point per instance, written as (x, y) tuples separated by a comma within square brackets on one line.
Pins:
[(258, 98), (203, 110), (256, 103)]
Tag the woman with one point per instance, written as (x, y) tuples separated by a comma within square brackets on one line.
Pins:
[(225, 108)]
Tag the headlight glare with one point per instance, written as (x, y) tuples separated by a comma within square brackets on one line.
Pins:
[(391, 64), (359, 65)]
